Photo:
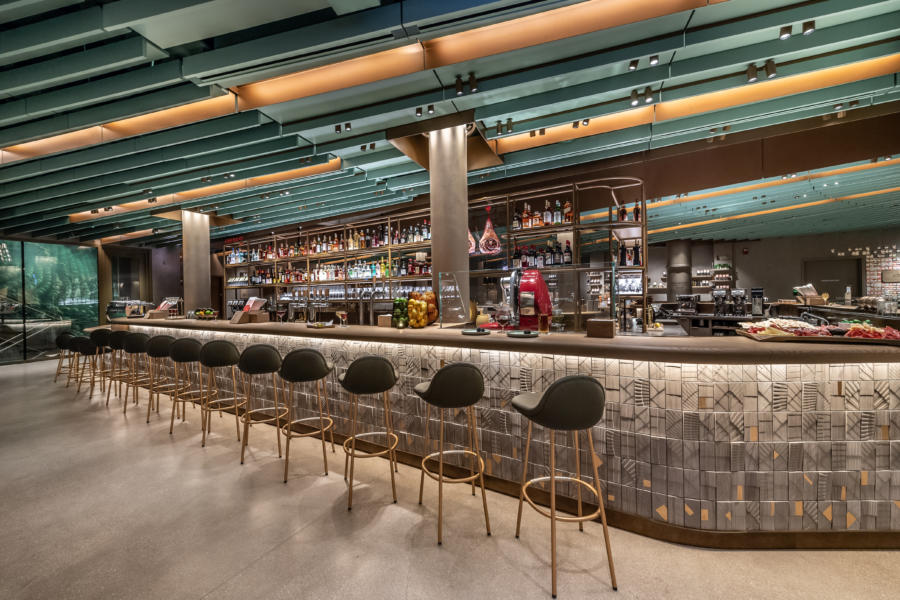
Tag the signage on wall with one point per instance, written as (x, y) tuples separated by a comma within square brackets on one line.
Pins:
[(232, 240), (891, 276)]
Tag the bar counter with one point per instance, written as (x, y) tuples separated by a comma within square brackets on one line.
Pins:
[(722, 442)]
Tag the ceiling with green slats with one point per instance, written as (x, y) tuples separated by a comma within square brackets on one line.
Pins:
[(67, 65)]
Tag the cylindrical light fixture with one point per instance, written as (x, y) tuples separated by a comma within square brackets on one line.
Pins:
[(532, 133), (770, 69), (785, 32), (347, 126), (509, 125), (499, 128), (574, 124), (459, 85), (473, 82), (431, 109), (418, 111), (542, 131), (634, 97), (809, 27), (654, 60), (648, 95), (633, 65), (585, 122), (752, 73)]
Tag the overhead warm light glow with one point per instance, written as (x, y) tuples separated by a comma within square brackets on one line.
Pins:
[(210, 190), (112, 239)]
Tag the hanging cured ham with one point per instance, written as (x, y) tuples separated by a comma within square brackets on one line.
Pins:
[(490, 243), (473, 247)]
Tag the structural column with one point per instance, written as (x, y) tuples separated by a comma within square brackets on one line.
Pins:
[(449, 207), (678, 269), (195, 259)]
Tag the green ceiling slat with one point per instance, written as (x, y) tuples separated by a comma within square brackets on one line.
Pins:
[(51, 35), (65, 69)]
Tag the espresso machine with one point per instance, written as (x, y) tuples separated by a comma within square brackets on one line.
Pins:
[(739, 302), (526, 294)]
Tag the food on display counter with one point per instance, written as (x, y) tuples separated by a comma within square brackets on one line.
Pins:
[(797, 328)]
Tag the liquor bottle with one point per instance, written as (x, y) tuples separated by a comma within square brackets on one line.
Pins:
[(637, 254), (537, 220), (516, 259), (526, 217), (539, 259), (637, 212), (548, 259), (427, 230), (558, 254), (622, 255), (567, 253), (516, 221), (623, 213), (557, 213), (548, 214), (567, 212)]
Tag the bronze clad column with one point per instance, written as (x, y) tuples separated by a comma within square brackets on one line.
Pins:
[(678, 268), (449, 206), (195, 259)]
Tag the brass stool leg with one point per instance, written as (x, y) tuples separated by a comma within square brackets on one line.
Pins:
[(321, 424), (425, 453), (69, 372), (553, 510), (353, 408), (113, 374), (277, 418), (328, 411), (174, 400), (59, 364), (440, 525), (247, 415), (392, 463), (204, 405), (471, 447), (487, 519), (152, 383), (289, 402), (578, 475), (612, 569), (234, 397), (524, 475)]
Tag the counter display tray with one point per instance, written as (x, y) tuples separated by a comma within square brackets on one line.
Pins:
[(837, 339)]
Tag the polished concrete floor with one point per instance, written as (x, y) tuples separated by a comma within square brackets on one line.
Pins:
[(97, 505)]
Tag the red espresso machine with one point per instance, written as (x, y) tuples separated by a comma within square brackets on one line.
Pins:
[(528, 297)]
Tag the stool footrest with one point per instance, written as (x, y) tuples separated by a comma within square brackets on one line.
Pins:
[(362, 454), (279, 416), (434, 456), (546, 513), (288, 431)]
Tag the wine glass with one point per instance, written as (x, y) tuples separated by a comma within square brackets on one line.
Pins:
[(503, 317), (342, 315)]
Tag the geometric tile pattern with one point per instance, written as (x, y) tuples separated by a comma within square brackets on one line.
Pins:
[(724, 447)]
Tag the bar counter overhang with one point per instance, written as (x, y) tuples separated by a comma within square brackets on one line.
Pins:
[(719, 442)]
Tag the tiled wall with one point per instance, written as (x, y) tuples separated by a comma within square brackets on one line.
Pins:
[(736, 447)]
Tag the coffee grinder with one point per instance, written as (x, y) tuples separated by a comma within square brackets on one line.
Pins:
[(720, 297), (739, 302)]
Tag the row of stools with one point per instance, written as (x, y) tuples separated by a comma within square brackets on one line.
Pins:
[(136, 361)]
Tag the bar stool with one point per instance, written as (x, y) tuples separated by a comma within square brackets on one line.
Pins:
[(458, 385), (100, 337), (572, 403), (369, 375), (260, 359), (304, 366), (63, 346), (184, 352), (84, 361), (138, 377), (213, 355), (158, 348), (118, 368)]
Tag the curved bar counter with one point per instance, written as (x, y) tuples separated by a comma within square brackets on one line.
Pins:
[(721, 442)]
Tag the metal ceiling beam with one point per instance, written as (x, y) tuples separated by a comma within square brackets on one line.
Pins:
[(51, 35)]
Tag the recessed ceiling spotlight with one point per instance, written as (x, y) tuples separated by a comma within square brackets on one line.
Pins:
[(509, 125), (633, 65), (634, 97), (648, 95), (108, 208), (473, 82), (347, 126), (839, 106), (793, 175), (785, 32), (95, 211), (809, 27), (372, 146), (770, 69), (459, 85), (499, 127), (337, 128), (752, 73), (532, 133), (431, 109), (542, 131), (362, 148), (151, 200), (575, 124), (853, 103), (654, 60), (585, 122), (418, 111)]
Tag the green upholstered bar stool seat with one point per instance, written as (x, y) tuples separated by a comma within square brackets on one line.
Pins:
[(260, 360), (305, 366), (219, 355), (574, 403), (457, 386), (369, 375)]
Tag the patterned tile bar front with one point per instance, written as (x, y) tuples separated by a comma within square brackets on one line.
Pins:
[(752, 447)]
